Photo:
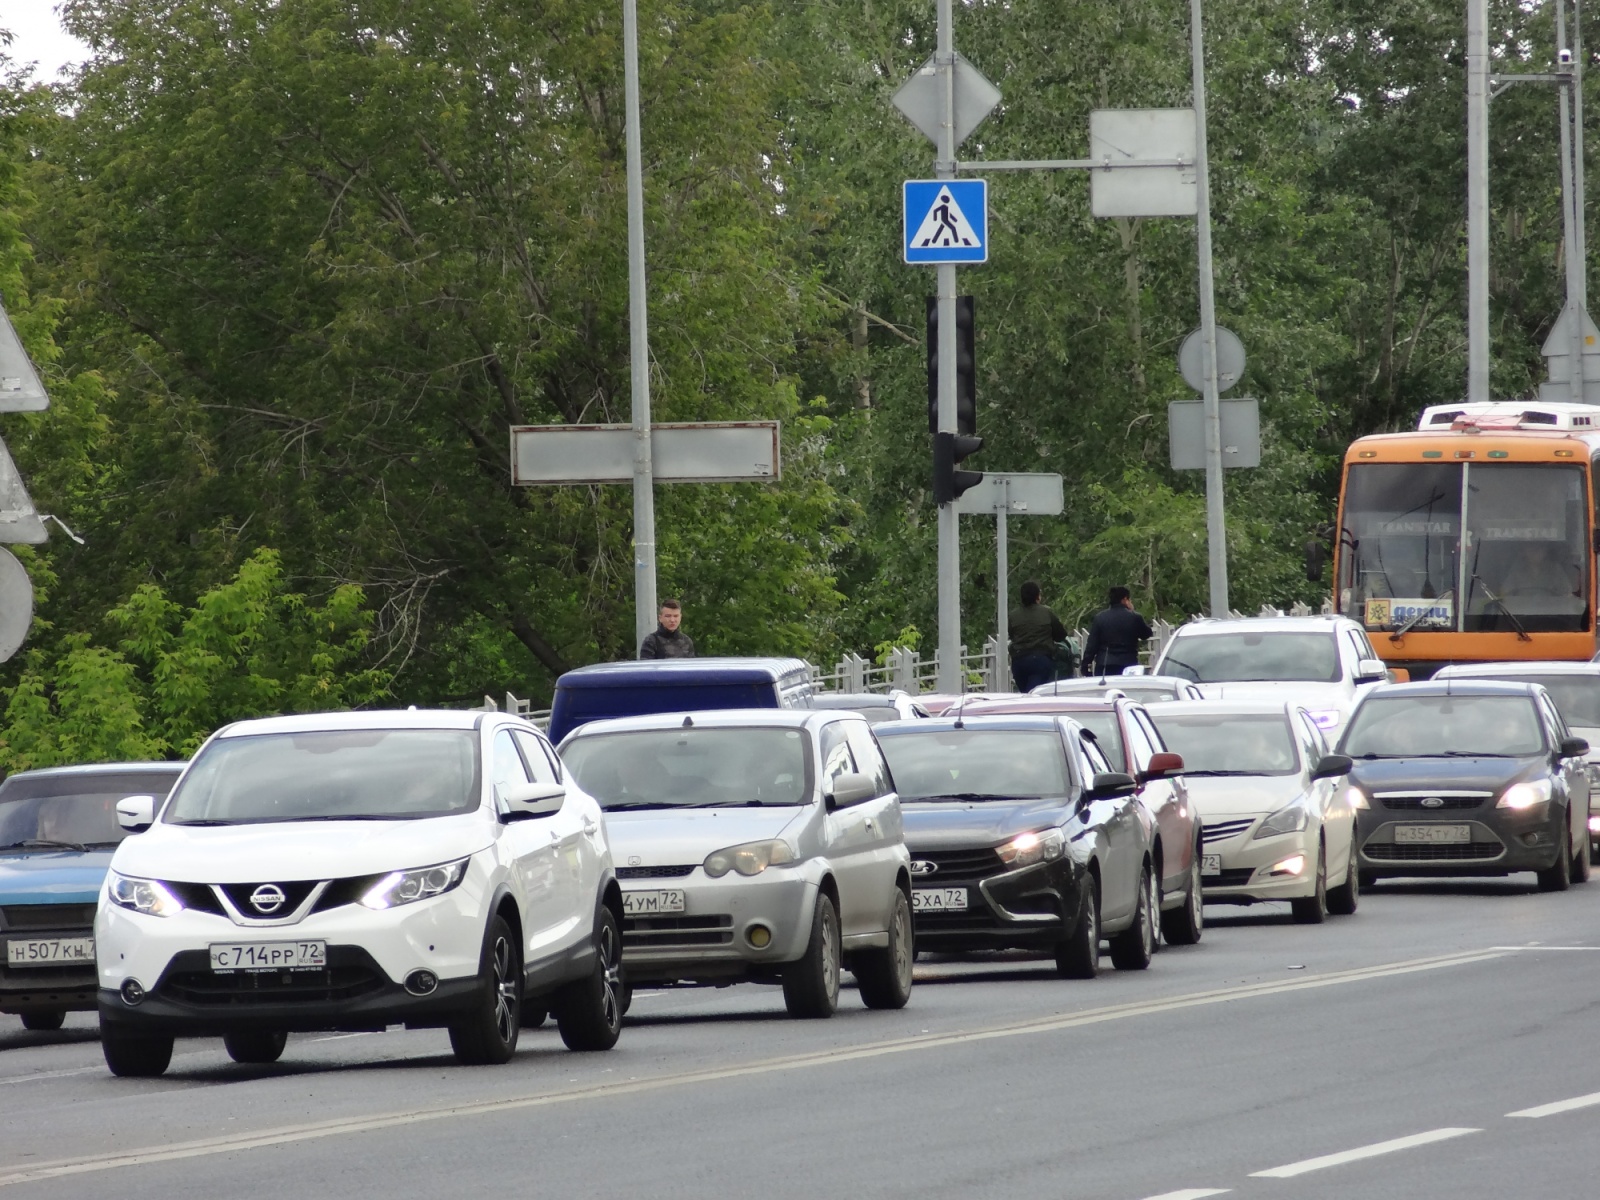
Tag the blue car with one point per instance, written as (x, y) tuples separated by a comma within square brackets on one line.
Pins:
[(58, 827)]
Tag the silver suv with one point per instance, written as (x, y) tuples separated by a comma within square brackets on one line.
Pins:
[(757, 845)]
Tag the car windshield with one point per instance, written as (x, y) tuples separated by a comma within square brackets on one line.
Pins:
[(330, 775), (1253, 657), (977, 764), (51, 812), (1230, 743), (711, 767), (1433, 726), (1577, 697)]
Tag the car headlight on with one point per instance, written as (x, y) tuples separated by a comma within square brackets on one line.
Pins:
[(148, 896), (1359, 798), (1025, 849), (1286, 820), (751, 858), (1325, 718), (1523, 796), (407, 887)]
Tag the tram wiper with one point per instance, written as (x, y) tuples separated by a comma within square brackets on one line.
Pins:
[(1522, 633), (1411, 624)]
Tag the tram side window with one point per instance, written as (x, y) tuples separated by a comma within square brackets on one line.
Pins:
[(1527, 548)]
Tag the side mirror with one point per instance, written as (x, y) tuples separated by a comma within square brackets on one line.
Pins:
[(1399, 675), (1372, 670), (1162, 764), (136, 813), (1316, 556), (852, 787), (1108, 784), (1572, 747), (1332, 766), (527, 800)]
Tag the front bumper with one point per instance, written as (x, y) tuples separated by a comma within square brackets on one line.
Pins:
[(61, 987), (1252, 867), (710, 940), (1031, 908), (1503, 841)]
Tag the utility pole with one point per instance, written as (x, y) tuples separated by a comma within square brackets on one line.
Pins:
[(1216, 525), (644, 500), (1477, 201), (1571, 202), (950, 681)]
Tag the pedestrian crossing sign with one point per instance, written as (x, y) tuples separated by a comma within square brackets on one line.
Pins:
[(946, 221)]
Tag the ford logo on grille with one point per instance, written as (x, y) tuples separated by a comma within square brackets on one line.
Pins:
[(921, 866), (268, 898), (1433, 802)]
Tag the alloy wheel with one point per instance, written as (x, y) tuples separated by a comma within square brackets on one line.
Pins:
[(900, 939), (505, 990), (830, 953), (611, 974)]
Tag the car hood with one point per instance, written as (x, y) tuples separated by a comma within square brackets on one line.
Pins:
[(1445, 774), (294, 850), (52, 876), (667, 838), (1215, 796), (1307, 695), (957, 824)]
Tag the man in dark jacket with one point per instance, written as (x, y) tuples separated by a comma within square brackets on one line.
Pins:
[(1034, 633), (668, 641), (1114, 636)]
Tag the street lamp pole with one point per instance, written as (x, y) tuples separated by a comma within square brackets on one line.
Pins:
[(644, 501)]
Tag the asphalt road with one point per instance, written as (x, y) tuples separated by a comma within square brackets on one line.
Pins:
[(1426, 1047)]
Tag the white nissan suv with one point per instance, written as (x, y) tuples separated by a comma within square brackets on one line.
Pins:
[(348, 871)]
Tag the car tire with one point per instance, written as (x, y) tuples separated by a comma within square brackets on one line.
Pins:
[(811, 986), (135, 1056), (1131, 949), (589, 1011), (1582, 860), (1078, 956), (44, 1020), (884, 976), (486, 1035), (1558, 876), (1313, 909), (1344, 899), (255, 1046), (1182, 926)]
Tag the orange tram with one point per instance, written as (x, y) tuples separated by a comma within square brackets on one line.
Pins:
[(1473, 538)]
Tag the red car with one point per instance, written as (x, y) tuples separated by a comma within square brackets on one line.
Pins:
[(1130, 740)]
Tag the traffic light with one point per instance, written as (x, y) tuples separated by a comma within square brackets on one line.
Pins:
[(966, 367), (948, 450)]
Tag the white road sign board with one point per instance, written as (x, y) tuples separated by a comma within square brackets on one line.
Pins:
[(1122, 138), (692, 452), (1024, 494)]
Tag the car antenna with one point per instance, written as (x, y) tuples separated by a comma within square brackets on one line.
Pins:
[(960, 704)]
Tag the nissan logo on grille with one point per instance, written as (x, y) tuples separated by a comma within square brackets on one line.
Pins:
[(921, 866), (1433, 802), (268, 898)]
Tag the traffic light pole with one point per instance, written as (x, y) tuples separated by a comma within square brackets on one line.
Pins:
[(949, 681)]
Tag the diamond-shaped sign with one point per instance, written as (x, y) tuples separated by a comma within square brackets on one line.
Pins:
[(20, 389), (19, 520), (921, 99)]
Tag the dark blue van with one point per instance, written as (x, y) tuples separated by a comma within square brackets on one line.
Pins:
[(633, 689)]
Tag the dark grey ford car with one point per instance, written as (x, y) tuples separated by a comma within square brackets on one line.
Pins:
[(1468, 778)]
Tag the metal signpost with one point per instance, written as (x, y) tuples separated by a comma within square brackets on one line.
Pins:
[(644, 500), (1477, 201), (1023, 495)]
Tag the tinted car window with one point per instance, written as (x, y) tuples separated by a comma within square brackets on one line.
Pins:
[(693, 767), (1254, 657), (1230, 743), (1422, 726), (78, 808), (1106, 732), (1577, 696), (977, 763), (330, 775)]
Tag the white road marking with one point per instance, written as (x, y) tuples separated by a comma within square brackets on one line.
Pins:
[(1560, 1106), (234, 1142), (51, 1075), (1527, 948), (1190, 1194), (1360, 1152), (335, 1037)]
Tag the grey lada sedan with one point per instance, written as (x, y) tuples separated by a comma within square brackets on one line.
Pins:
[(760, 845)]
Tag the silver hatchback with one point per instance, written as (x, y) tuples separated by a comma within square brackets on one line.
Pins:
[(754, 844)]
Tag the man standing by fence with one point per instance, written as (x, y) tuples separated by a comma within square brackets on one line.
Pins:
[(1035, 630), (1114, 636), (668, 641)]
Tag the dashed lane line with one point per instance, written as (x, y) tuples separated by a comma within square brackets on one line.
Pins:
[(1190, 1194), (1559, 1106), (345, 1126), (1361, 1152)]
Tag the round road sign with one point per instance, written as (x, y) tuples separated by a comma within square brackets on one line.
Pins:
[(1230, 360), (16, 604)]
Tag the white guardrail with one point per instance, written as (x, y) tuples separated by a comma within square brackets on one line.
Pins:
[(989, 670)]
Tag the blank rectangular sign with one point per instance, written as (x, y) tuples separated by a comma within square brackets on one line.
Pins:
[(1241, 433), (692, 452), (1124, 137), (1019, 495)]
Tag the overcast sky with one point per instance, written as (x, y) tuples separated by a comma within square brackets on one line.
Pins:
[(37, 36)]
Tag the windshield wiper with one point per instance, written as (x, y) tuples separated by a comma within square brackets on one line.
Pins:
[(45, 844), (1411, 624), (970, 796), (1192, 773), (1522, 633), (621, 806)]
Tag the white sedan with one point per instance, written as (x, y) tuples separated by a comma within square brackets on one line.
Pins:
[(1278, 821)]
